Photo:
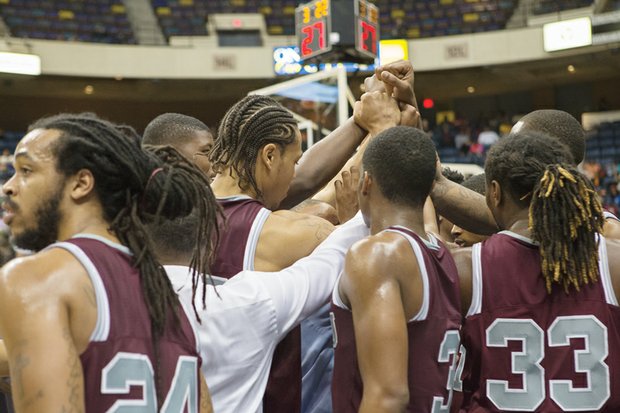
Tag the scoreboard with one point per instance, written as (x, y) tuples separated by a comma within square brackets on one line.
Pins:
[(330, 31)]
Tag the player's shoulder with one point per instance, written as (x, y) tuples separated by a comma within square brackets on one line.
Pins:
[(290, 222), (385, 254), (48, 269)]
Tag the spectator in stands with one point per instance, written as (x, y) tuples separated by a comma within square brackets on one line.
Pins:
[(5, 173), (487, 137), (462, 140), (6, 158)]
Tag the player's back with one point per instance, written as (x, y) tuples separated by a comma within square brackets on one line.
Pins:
[(236, 250), (527, 350), (120, 365), (433, 336)]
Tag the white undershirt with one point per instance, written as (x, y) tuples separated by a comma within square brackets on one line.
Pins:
[(254, 311)]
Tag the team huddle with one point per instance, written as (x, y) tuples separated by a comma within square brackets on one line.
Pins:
[(181, 272)]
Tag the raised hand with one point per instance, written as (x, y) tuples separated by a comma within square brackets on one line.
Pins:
[(376, 111)]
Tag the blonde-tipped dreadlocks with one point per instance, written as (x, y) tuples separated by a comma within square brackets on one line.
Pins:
[(565, 215)]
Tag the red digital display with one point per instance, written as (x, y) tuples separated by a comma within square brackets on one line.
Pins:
[(312, 25), (367, 23), (313, 39), (368, 37)]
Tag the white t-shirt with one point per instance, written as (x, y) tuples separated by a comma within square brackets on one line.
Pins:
[(254, 311), (488, 138)]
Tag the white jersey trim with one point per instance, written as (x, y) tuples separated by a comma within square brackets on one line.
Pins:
[(250, 246), (191, 316), (102, 327), (336, 295), (106, 241), (476, 280), (519, 237), (423, 312), (603, 266)]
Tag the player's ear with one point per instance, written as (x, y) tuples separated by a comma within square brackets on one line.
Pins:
[(82, 184), (495, 193), (366, 183), (268, 154)]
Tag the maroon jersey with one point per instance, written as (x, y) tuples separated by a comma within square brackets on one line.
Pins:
[(527, 350), (433, 336), (245, 218), (119, 364)]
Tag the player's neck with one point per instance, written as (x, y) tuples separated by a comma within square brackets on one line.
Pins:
[(396, 215), (519, 223), (225, 185), (74, 224)]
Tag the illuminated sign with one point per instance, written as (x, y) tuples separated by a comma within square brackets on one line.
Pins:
[(20, 63), (287, 61), (312, 27), (567, 34), (393, 50)]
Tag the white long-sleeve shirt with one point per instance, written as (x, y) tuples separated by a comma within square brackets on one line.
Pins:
[(254, 311)]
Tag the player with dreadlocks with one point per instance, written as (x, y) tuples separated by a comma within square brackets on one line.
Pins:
[(92, 312), (467, 208), (541, 329)]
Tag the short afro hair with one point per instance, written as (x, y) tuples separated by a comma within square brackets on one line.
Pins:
[(402, 160), (171, 129), (560, 125), (476, 183)]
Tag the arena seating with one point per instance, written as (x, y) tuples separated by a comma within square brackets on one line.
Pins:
[(106, 20), (554, 6), (604, 144), (188, 17), (428, 18), (101, 21), (399, 18)]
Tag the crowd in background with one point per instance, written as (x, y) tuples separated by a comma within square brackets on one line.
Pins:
[(470, 140)]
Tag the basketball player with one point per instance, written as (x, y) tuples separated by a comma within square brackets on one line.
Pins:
[(254, 154), (461, 237), (541, 332), (188, 135), (396, 307), (248, 315), (91, 322), (467, 209)]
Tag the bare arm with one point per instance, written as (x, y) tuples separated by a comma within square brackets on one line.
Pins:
[(205, 396), (4, 360), (611, 229), (375, 298), (322, 161), (462, 206), (34, 322), (288, 236), (462, 259)]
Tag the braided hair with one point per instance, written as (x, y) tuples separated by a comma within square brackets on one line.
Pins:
[(135, 188), (250, 124), (565, 214)]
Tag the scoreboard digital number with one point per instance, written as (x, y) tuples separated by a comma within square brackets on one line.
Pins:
[(312, 26), (367, 28), (335, 31)]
